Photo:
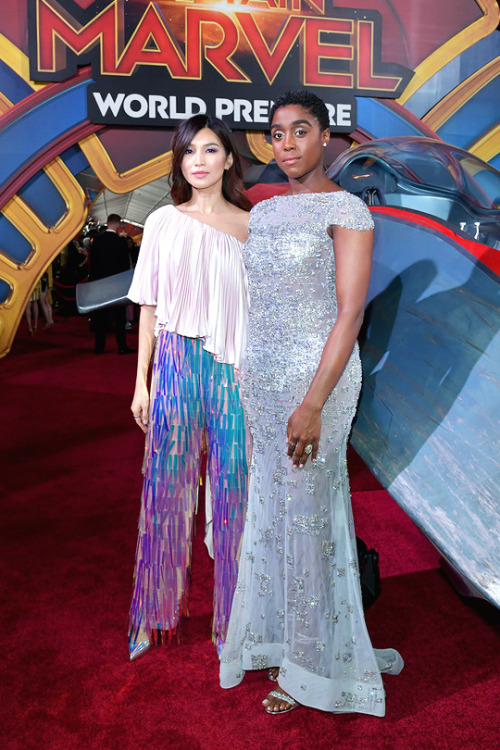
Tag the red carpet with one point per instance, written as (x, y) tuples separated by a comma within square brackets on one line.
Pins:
[(71, 459)]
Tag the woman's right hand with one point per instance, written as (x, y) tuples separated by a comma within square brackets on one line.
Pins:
[(140, 407), (303, 434)]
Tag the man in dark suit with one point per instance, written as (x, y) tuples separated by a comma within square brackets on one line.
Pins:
[(108, 254)]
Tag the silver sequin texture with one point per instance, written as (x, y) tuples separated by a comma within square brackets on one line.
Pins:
[(301, 530)]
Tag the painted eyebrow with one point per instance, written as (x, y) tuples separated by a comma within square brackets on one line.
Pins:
[(204, 145), (295, 122)]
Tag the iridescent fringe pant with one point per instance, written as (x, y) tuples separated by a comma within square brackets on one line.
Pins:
[(191, 393)]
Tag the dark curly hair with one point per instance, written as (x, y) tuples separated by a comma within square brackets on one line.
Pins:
[(306, 99), (232, 182)]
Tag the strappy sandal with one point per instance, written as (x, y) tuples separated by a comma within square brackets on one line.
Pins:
[(283, 697), (271, 675)]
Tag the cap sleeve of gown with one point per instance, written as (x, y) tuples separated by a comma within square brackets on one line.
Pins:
[(350, 212)]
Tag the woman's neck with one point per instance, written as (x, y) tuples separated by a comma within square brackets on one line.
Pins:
[(312, 184), (315, 181), (205, 202)]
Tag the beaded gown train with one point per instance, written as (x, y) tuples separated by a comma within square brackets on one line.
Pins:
[(298, 602)]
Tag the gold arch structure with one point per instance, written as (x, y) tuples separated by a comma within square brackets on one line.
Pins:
[(259, 146), (123, 182), (423, 72), (451, 103), (46, 241), (18, 62), (488, 145), (454, 47)]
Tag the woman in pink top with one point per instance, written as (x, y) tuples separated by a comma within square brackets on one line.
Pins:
[(191, 284)]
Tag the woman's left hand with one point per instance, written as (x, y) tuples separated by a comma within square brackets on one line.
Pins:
[(303, 433)]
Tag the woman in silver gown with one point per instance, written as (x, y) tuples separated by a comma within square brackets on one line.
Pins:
[(297, 609)]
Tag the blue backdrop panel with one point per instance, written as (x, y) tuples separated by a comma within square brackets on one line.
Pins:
[(44, 198), (382, 122), (75, 159), (5, 290), (495, 162), (475, 117), (13, 244), (13, 86), (452, 74), (37, 129), (428, 424)]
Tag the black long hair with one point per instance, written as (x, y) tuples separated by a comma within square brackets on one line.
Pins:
[(232, 181)]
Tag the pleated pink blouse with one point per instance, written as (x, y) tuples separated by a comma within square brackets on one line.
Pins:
[(195, 277)]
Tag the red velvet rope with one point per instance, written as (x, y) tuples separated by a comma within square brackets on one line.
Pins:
[(67, 286)]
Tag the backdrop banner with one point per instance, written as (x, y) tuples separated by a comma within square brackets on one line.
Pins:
[(158, 63)]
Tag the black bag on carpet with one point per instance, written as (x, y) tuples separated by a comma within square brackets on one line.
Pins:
[(369, 573)]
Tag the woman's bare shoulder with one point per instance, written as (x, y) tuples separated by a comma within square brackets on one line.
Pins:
[(238, 217)]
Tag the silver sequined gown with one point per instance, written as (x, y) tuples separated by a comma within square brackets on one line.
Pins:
[(297, 603)]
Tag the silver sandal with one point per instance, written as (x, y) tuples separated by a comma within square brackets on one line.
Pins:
[(285, 698)]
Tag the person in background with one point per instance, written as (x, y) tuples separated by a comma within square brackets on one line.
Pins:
[(31, 312), (108, 255), (133, 250), (45, 301), (70, 268), (191, 284)]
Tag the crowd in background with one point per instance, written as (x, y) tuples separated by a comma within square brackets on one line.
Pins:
[(55, 294)]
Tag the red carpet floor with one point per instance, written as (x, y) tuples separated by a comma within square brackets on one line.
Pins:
[(71, 459)]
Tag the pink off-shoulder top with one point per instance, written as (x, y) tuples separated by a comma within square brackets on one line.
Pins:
[(195, 277)]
